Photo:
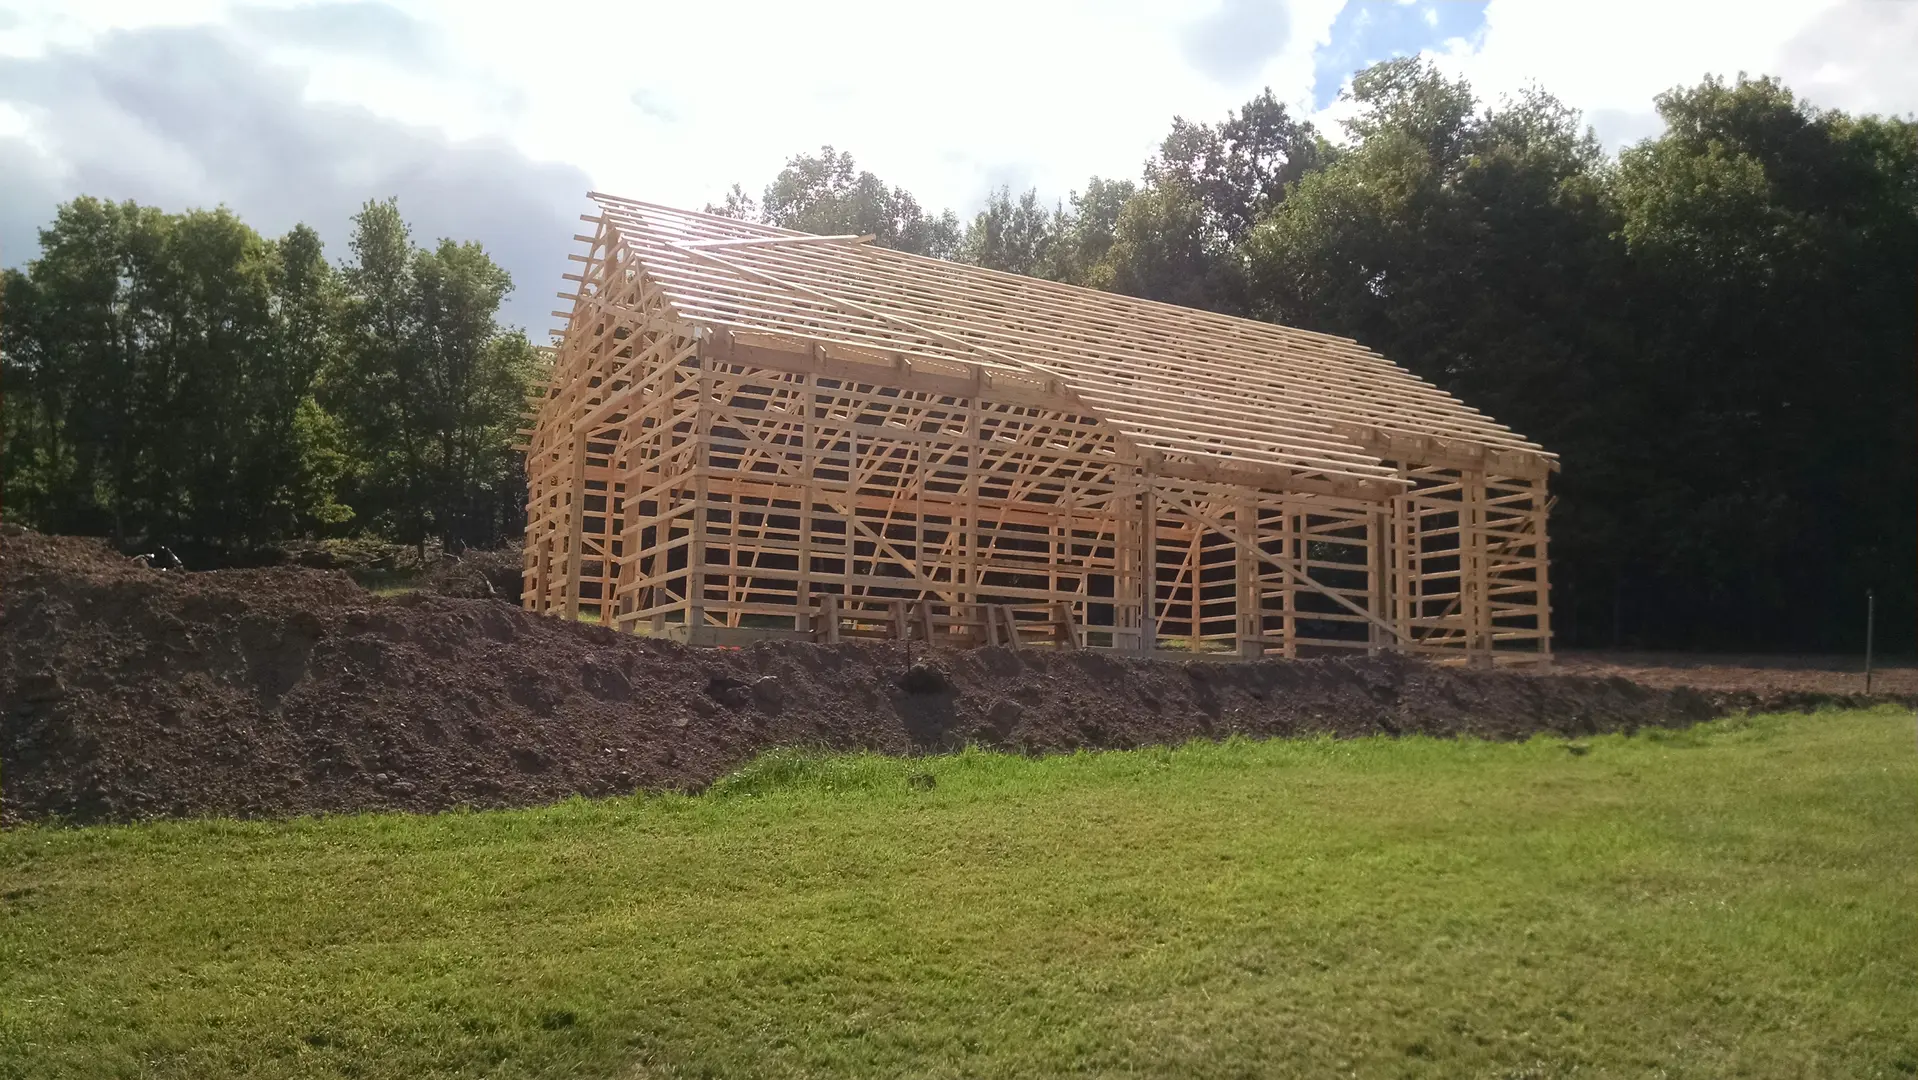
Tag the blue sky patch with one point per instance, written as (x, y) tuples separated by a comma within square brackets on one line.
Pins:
[(1368, 31)]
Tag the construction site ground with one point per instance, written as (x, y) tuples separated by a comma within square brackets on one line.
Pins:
[(131, 693), (1747, 672)]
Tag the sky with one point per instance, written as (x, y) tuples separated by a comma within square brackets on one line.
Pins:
[(490, 121)]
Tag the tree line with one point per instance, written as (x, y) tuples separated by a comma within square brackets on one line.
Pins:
[(179, 379), (1714, 329)]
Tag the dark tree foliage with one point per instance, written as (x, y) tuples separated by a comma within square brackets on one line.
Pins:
[(176, 379), (1772, 254), (1180, 239), (1477, 249), (1239, 170), (1086, 229), (159, 371), (1015, 236), (430, 388), (828, 194), (1716, 334)]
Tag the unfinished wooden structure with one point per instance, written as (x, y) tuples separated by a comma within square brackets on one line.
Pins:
[(749, 432)]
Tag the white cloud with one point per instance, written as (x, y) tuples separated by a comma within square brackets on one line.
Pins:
[(673, 102), (947, 102), (14, 124), (1612, 59), (1861, 56), (183, 117)]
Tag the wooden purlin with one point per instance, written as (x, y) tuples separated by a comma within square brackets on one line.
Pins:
[(740, 432), (759, 300), (1311, 392)]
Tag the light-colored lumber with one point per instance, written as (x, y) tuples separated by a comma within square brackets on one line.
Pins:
[(747, 428)]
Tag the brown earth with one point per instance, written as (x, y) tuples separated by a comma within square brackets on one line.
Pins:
[(130, 693), (1760, 673)]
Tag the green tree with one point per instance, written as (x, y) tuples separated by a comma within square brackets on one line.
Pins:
[(309, 310), (1180, 238), (429, 388), (1772, 248), (374, 387), (1086, 228), (1714, 333), (154, 380), (1018, 237), (476, 378), (829, 194), (1163, 248), (1239, 169)]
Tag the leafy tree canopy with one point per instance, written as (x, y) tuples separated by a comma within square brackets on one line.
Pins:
[(828, 194)]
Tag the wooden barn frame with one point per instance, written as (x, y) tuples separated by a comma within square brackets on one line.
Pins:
[(753, 432)]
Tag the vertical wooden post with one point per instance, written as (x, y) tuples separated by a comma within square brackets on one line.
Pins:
[(1404, 554), (1544, 598), (1125, 554), (702, 459), (1065, 629), (1251, 601), (827, 630), (1378, 530), (1194, 570), (575, 525), (805, 497), (1474, 572), (1056, 544), (919, 565), (1148, 566), (975, 476), (534, 593), (1288, 605)]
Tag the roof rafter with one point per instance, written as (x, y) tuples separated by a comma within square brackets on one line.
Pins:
[(1177, 383)]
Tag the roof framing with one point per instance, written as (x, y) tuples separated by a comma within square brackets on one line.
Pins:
[(1194, 390)]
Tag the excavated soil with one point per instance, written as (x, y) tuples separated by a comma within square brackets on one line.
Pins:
[(130, 694), (1762, 673)]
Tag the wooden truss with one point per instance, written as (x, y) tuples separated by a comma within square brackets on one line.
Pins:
[(749, 431)]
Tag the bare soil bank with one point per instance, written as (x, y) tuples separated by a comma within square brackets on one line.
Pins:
[(130, 693), (1761, 672)]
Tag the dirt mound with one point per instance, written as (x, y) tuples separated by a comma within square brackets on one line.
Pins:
[(476, 575), (130, 693)]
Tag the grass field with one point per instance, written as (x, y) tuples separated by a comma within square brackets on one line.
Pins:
[(1736, 900)]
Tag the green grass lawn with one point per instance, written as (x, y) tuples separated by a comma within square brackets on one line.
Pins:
[(1737, 900)]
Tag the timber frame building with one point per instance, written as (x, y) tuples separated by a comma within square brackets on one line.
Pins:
[(754, 432)]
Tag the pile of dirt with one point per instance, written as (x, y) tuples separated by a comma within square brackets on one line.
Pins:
[(476, 575), (131, 693)]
